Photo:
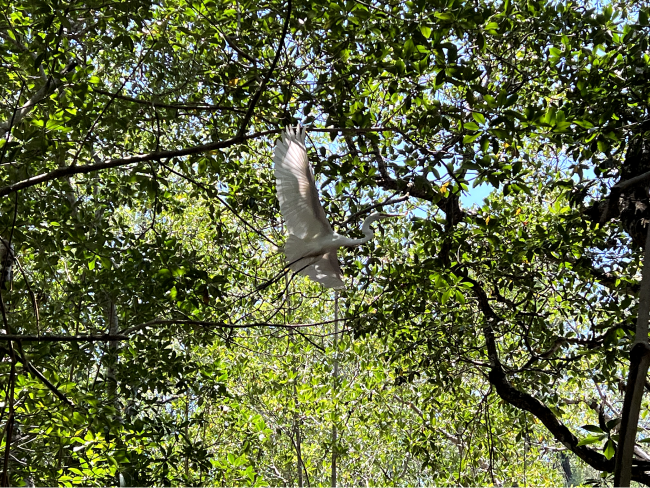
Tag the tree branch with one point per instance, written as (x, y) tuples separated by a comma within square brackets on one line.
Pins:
[(239, 51), (624, 185), (420, 187), (639, 362), (158, 156), (260, 90), (48, 87), (62, 338), (390, 201), (203, 323), (151, 103), (529, 403), (30, 367), (138, 158)]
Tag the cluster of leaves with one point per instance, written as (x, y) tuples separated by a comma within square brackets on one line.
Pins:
[(138, 194)]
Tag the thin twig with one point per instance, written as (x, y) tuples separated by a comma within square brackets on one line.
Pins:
[(4, 481), (32, 369), (213, 192), (32, 295), (239, 51), (127, 79), (223, 325), (177, 106), (376, 205)]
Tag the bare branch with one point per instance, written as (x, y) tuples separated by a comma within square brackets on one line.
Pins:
[(48, 87), (62, 338), (157, 156), (182, 106), (376, 205), (260, 90), (30, 367), (224, 325)]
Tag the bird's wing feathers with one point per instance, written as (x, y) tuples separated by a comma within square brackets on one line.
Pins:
[(326, 271), (301, 209), (296, 189)]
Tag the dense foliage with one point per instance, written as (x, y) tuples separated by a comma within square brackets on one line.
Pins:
[(482, 342)]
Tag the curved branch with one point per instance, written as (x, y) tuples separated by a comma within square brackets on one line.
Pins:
[(67, 171), (527, 402), (258, 93), (138, 158), (58, 393), (51, 84)]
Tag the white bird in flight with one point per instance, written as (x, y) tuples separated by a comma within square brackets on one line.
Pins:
[(312, 244)]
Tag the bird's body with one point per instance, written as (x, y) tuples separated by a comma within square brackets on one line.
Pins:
[(312, 244)]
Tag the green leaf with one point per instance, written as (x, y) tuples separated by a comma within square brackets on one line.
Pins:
[(643, 16), (592, 439), (592, 428), (603, 145), (478, 117), (585, 124), (444, 15), (400, 67), (608, 449), (53, 124), (409, 48), (426, 31), (492, 27)]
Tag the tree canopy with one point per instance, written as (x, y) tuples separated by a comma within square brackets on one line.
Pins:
[(481, 341)]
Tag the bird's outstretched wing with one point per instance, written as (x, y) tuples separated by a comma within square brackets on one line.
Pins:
[(296, 190), (326, 271)]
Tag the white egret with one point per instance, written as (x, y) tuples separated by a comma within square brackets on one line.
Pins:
[(312, 244)]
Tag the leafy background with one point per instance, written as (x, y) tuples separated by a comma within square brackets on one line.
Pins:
[(138, 193)]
